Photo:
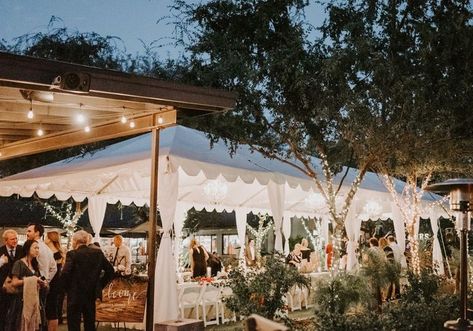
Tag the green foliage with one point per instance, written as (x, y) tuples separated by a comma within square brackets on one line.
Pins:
[(420, 315), (421, 287), (335, 297), (262, 291), (342, 304)]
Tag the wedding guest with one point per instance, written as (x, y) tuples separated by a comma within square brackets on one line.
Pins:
[(328, 255), (23, 313), (85, 273), (121, 260), (47, 266), (250, 253), (215, 263), (9, 253), (305, 250), (53, 306), (198, 257), (396, 257), (294, 258)]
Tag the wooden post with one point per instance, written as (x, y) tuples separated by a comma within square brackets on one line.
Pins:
[(153, 204)]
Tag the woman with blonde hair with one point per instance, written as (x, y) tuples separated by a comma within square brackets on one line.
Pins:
[(53, 306)]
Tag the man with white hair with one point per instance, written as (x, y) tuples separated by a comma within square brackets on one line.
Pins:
[(121, 256), (9, 253), (84, 275)]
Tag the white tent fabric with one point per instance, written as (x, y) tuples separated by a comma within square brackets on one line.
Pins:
[(240, 216), (96, 209), (166, 300), (121, 173), (286, 231), (276, 195), (181, 213), (352, 226), (437, 258)]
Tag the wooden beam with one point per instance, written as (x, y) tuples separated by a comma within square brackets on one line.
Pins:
[(34, 73), (99, 132)]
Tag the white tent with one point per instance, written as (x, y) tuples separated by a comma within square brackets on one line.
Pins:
[(192, 174)]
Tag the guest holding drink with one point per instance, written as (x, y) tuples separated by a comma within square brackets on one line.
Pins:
[(24, 312)]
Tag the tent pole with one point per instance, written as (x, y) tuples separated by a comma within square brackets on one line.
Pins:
[(153, 199)]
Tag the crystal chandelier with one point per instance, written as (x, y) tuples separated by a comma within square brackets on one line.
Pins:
[(216, 191), (373, 209)]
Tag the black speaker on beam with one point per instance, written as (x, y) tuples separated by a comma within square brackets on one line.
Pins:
[(75, 81)]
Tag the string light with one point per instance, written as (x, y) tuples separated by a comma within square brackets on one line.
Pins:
[(67, 218), (260, 233), (40, 132), (409, 204), (30, 114), (132, 124), (80, 118), (160, 120), (123, 119), (87, 128)]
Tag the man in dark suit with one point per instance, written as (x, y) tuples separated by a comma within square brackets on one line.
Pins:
[(9, 253), (84, 275)]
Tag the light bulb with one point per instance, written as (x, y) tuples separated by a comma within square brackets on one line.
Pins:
[(30, 114), (87, 128), (80, 118), (160, 120), (123, 119), (40, 132), (132, 124)]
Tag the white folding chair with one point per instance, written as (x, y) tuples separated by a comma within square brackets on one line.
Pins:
[(190, 297), (294, 300), (306, 297), (226, 293), (210, 299)]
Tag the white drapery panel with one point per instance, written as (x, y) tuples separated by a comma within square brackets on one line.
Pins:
[(324, 231), (399, 227), (181, 213), (240, 216), (352, 226), (286, 229), (437, 258), (96, 208), (165, 289), (276, 194)]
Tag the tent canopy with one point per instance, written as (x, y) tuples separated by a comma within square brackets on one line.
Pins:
[(121, 172)]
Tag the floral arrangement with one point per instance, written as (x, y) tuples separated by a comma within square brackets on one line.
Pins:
[(203, 280)]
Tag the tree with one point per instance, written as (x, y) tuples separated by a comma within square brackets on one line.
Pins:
[(414, 60), (369, 92), (293, 95)]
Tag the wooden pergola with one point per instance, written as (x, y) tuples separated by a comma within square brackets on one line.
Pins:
[(48, 105), (58, 93)]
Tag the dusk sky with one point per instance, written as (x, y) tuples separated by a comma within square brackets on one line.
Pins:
[(130, 20)]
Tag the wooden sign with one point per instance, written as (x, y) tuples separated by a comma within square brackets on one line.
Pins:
[(123, 300)]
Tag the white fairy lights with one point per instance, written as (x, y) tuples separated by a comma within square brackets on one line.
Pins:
[(260, 233), (68, 218)]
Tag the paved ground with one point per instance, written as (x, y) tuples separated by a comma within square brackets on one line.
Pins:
[(237, 326)]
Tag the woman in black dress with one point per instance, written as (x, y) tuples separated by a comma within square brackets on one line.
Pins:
[(198, 257), (26, 266), (53, 304)]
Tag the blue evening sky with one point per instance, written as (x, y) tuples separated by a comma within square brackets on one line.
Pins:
[(130, 20)]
